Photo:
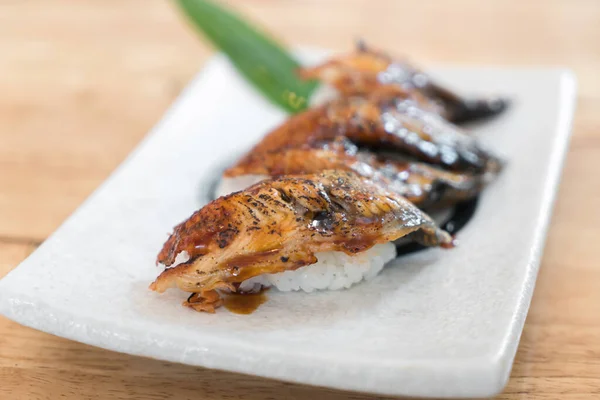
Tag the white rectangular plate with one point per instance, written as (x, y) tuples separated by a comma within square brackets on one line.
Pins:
[(437, 323)]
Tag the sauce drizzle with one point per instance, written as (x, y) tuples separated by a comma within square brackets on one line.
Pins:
[(240, 303)]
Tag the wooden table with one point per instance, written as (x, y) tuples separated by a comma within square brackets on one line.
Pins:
[(81, 82)]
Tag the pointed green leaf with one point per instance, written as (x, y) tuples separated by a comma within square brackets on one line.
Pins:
[(259, 58)]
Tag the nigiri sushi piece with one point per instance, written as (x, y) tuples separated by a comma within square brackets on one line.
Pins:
[(285, 225), (367, 71), (385, 123), (423, 185)]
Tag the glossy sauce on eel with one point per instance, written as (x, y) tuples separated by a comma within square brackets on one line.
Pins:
[(422, 184), (367, 71), (384, 123), (279, 225)]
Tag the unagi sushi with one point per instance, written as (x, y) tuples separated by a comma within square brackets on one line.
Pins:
[(367, 71), (385, 123), (422, 184), (319, 231)]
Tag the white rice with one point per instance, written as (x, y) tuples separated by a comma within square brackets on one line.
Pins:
[(334, 271), (230, 185)]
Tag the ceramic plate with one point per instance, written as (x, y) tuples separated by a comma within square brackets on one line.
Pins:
[(434, 323)]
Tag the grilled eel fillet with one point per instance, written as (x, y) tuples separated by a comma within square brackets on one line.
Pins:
[(388, 123), (279, 225), (423, 185), (367, 71)]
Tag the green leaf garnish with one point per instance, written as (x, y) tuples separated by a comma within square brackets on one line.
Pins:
[(259, 58)]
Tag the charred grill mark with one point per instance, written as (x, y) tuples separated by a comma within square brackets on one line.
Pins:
[(336, 205), (275, 202), (261, 208), (225, 237), (284, 196), (251, 213)]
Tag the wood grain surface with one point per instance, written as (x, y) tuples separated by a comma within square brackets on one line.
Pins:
[(81, 82)]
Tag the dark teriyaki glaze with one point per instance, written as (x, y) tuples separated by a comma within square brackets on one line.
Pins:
[(244, 303)]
